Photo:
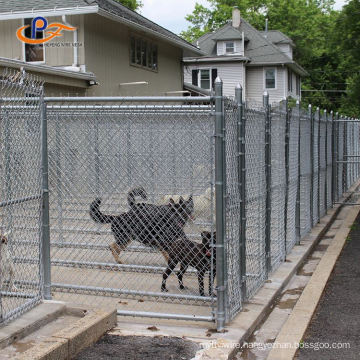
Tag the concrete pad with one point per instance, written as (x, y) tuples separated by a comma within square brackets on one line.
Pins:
[(54, 331)]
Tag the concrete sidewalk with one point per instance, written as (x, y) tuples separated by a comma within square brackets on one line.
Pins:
[(336, 322)]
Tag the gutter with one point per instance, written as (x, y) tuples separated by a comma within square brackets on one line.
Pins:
[(48, 13), (129, 23), (291, 64), (44, 69), (214, 59)]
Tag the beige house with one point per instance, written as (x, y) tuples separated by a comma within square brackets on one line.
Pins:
[(257, 60), (112, 52)]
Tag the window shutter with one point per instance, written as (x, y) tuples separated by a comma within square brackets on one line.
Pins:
[(213, 77), (195, 77)]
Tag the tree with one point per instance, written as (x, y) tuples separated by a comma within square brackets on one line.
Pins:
[(131, 4), (348, 45)]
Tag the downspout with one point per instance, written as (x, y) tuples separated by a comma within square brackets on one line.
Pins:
[(285, 75), (76, 48)]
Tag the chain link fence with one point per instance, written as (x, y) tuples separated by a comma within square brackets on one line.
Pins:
[(21, 194), (165, 207), (152, 167)]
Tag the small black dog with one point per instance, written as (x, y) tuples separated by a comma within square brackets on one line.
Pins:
[(189, 253), (153, 225)]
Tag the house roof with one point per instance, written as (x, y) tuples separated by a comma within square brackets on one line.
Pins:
[(258, 49), (277, 37), (10, 9)]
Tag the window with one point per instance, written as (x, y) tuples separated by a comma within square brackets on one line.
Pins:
[(229, 47), (205, 79), (33, 53), (290, 84), (270, 78), (143, 53)]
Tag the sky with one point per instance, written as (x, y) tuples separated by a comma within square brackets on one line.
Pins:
[(171, 13)]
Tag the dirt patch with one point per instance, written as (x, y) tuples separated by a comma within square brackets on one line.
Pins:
[(140, 348), (295, 291), (287, 304)]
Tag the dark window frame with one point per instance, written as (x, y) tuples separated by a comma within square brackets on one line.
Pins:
[(143, 53), (266, 79), (31, 47)]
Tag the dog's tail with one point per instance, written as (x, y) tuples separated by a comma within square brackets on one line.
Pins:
[(97, 215), (140, 191)]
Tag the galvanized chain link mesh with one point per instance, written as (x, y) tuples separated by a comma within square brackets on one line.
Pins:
[(278, 185), (340, 157), (255, 199), (322, 149), (132, 198), (232, 208), (105, 151), (21, 194), (329, 172), (316, 173), (305, 172), (291, 236)]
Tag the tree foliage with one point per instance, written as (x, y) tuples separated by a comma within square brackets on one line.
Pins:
[(327, 41), (131, 4)]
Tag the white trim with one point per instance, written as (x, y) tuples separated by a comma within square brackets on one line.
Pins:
[(219, 59), (264, 77), (48, 13), (45, 69)]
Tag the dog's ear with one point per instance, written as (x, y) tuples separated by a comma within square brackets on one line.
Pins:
[(206, 237)]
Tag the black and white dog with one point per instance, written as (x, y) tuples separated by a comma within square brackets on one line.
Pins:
[(7, 268), (189, 253), (153, 225)]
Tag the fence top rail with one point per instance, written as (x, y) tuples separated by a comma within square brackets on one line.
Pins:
[(131, 99), (116, 99), (348, 121)]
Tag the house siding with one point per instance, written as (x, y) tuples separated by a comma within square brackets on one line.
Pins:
[(286, 49), (64, 56), (255, 84), (11, 47), (230, 74), (107, 51)]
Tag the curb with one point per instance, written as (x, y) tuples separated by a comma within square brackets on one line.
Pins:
[(64, 344), (295, 327)]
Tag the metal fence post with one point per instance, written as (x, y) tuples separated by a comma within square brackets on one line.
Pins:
[(241, 132), (326, 160), (287, 169), (345, 154), (298, 200), (220, 193), (333, 164), (45, 240), (268, 180), (319, 167), (335, 154), (310, 114)]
